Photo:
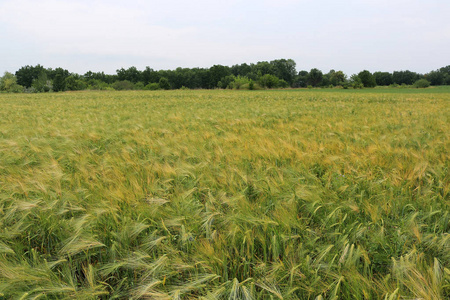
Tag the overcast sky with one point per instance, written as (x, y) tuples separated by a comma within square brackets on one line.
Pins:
[(98, 35)]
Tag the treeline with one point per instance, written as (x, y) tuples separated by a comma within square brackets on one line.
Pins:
[(280, 73)]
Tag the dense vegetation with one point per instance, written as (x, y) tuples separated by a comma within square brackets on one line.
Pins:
[(280, 73), (225, 195)]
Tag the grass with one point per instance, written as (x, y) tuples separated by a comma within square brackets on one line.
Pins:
[(225, 195)]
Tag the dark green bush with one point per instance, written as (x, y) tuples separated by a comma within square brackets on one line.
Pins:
[(421, 83), (164, 83)]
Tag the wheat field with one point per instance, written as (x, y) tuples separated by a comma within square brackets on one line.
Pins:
[(300, 194)]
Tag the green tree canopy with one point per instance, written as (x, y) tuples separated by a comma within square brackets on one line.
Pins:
[(59, 81), (8, 83), (367, 78), (383, 78), (315, 77), (25, 75)]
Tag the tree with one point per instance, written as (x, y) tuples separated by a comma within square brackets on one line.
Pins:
[(131, 74), (41, 83), (74, 84), (226, 82), (241, 70), (301, 80), (284, 69), (337, 78), (25, 75), (269, 81), (367, 79), (59, 81), (263, 68), (446, 72), (149, 76), (356, 82), (8, 83), (435, 77), (383, 78), (404, 77), (315, 77), (216, 73), (164, 83)]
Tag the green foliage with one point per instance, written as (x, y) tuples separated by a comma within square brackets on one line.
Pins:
[(251, 85), (435, 77), (367, 79), (123, 85), (152, 86), (59, 80), (227, 82), (422, 83), (131, 74), (74, 84), (239, 82), (356, 82), (217, 76), (337, 78), (95, 84), (25, 75), (282, 83), (8, 83), (216, 73), (383, 78), (405, 77), (315, 77), (284, 69), (41, 83), (164, 83), (301, 79), (269, 81), (139, 86)]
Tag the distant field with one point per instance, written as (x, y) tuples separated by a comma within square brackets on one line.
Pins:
[(297, 194)]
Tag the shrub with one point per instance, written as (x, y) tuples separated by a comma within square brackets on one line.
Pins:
[(153, 86), (283, 84), (96, 84), (239, 82), (421, 83), (123, 85), (269, 81), (139, 86), (251, 86), (8, 83)]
